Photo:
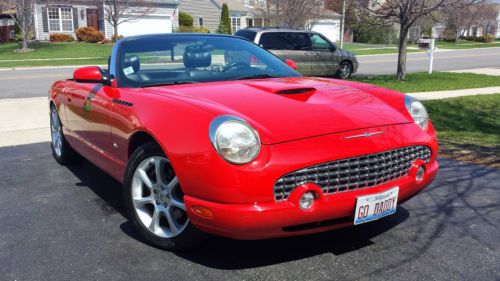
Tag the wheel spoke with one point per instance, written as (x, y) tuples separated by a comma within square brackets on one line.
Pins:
[(145, 178), (172, 184), (159, 170), (155, 221), (141, 201), (178, 204), (174, 228)]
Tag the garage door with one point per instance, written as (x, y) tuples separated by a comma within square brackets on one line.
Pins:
[(146, 25), (329, 30)]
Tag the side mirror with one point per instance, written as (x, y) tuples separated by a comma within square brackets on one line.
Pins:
[(291, 64), (89, 74)]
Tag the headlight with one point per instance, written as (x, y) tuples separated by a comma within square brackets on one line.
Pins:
[(417, 111), (234, 139)]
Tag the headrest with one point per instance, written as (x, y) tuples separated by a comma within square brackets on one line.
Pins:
[(197, 56), (132, 61)]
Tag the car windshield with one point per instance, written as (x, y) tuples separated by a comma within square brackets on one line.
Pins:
[(181, 59)]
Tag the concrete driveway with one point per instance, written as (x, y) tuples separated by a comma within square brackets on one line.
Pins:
[(63, 223)]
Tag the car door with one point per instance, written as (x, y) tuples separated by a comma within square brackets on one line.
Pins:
[(323, 59), (298, 48), (88, 112)]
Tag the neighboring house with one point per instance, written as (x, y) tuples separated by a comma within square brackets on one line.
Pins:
[(205, 13), (66, 16), (328, 25), (6, 26)]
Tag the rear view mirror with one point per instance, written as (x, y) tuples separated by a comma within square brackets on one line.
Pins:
[(291, 64), (89, 74)]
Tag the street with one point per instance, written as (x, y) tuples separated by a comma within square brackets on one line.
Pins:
[(24, 83), (63, 223)]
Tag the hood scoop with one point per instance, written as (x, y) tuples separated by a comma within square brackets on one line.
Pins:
[(295, 91)]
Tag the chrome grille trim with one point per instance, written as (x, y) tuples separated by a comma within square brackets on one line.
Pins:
[(353, 173)]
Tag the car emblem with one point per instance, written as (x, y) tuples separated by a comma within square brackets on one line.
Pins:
[(364, 135)]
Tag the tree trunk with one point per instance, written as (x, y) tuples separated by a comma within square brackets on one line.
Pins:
[(115, 30), (403, 33)]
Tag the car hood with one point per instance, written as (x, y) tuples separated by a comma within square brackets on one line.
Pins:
[(286, 109)]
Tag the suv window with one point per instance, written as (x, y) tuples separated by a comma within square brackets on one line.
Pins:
[(272, 41), (319, 43), (248, 34), (286, 41)]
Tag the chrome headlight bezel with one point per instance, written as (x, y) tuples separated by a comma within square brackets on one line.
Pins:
[(221, 123), (418, 112)]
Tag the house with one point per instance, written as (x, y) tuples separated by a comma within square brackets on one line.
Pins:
[(66, 16), (6, 26), (205, 13)]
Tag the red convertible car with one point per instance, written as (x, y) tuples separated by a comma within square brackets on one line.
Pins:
[(211, 133)]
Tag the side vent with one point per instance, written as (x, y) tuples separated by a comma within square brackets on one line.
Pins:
[(295, 91), (125, 103)]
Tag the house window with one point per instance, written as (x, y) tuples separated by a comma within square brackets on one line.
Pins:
[(200, 22), (250, 22), (235, 24), (60, 19)]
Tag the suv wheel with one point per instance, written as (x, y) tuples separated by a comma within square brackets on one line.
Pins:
[(345, 70)]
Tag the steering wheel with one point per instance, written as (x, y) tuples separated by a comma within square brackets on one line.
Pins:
[(234, 65)]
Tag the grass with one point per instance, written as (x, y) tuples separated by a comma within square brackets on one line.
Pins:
[(438, 81), (97, 54), (465, 45), (373, 49), (472, 120)]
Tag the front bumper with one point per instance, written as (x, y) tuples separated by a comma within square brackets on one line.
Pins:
[(279, 219)]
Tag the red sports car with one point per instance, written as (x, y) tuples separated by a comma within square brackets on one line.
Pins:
[(211, 133)]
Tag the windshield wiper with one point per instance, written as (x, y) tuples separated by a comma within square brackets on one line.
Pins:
[(169, 83), (256, 76)]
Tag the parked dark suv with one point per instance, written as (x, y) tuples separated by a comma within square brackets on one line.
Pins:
[(314, 54)]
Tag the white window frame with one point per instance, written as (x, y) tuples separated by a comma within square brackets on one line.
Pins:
[(235, 24), (60, 19)]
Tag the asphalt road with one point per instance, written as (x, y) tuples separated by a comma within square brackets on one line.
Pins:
[(61, 223), (25, 83)]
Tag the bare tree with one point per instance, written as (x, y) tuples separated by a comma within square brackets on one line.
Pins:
[(406, 13), (289, 13), (23, 18), (117, 12), (458, 20), (485, 16)]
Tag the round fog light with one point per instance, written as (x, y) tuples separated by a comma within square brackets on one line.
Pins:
[(420, 173), (307, 200)]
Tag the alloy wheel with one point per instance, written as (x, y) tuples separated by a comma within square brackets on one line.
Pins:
[(56, 133), (158, 198)]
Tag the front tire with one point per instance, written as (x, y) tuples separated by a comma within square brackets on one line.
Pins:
[(154, 201), (61, 150), (345, 70)]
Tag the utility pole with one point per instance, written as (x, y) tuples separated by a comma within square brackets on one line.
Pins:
[(342, 26)]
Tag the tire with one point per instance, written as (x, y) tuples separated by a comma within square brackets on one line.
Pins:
[(344, 71), (61, 150), (154, 204)]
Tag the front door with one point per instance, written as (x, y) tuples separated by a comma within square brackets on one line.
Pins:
[(93, 18)]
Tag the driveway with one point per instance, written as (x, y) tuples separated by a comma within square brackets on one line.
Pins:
[(25, 83), (61, 223)]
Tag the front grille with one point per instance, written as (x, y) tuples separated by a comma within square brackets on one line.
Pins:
[(353, 173)]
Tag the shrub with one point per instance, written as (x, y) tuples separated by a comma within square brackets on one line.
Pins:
[(61, 37), (488, 38), (185, 19), (113, 38), (183, 28), (201, 30), (89, 35)]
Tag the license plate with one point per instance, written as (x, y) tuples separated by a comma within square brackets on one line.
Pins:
[(375, 206)]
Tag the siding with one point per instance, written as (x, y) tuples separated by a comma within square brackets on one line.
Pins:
[(205, 9)]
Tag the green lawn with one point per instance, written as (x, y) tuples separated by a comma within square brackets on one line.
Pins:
[(373, 49), (438, 81), (96, 54), (465, 45), (473, 120)]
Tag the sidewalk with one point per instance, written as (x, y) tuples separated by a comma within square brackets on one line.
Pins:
[(438, 95)]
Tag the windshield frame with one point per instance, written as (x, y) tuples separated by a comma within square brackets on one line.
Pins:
[(118, 50)]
